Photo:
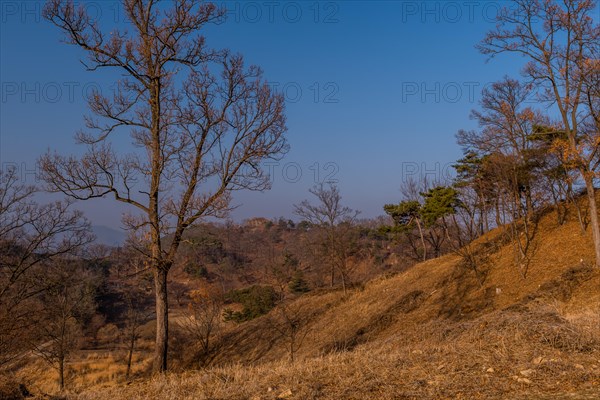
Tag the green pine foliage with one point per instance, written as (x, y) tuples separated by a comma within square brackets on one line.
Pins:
[(256, 301), (440, 202), (403, 213), (298, 284)]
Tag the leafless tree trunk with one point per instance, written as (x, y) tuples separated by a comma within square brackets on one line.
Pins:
[(162, 319), (135, 318), (134, 287), (418, 221), (591, 195), (130, 350)]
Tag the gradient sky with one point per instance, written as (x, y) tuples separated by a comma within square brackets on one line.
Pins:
[(375, 91)]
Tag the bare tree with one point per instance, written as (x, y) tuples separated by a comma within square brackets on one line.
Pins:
[(67, 303), (347, 251), (32, 236), (331, 216), (202, 322), (291, 321), (201, 123), (561, 42), (133, 288), (134, 319)]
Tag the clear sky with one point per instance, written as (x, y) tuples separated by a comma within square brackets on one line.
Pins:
[(375, 90)]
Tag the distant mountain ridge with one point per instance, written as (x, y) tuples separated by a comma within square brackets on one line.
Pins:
[(109, 236)]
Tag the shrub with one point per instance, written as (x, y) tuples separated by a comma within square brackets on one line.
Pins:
[(298, 284), (196, 270), (108, 334), (11, 389), (256, 301)]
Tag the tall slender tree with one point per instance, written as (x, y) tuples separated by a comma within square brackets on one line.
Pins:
[(201, 124)]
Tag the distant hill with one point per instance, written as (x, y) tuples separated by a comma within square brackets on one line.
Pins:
[(109, 236)]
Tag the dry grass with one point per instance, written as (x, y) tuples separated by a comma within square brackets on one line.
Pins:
[(511, 354), (89, 369), (430, 332)]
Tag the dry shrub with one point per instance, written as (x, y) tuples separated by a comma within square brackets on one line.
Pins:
[(108, 334), (11, 389), (532, 328), (562, 288)]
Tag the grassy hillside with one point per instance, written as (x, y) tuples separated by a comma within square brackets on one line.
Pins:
[(432, 331), (439, 292)]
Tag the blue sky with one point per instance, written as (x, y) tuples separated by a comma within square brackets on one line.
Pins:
[(375, 91)]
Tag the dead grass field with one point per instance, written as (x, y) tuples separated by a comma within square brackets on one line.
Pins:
[(523, 353), (431, 332)]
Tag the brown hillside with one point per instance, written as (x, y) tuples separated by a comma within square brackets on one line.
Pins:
[(430, 332), (560, 276)]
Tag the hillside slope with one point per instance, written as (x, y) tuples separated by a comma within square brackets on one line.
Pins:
[(432, 331), (560, 276)]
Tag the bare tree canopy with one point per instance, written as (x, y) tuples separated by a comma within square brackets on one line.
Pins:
[(31, 237), (336, 221), (328, 210), (200, 121)]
